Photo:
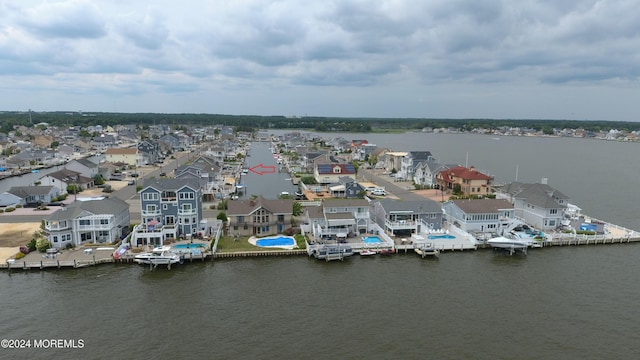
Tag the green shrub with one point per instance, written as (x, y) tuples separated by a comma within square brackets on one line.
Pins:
[(9, 209), (69, 246), (1, 211), (43, 244), (32, 245), (18, 206), (19, 256)]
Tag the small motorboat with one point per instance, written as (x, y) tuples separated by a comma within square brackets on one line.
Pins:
[(367, 252), (387, 251)]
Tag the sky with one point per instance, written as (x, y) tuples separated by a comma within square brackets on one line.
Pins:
[(525, 59)]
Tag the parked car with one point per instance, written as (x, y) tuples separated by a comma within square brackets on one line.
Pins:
[(163, 174), (379, 192), (131, 182), (134, 175)]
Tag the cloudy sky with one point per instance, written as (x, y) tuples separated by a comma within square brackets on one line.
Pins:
[(549, 59)]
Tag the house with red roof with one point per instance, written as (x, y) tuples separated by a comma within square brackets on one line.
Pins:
[(470, 180), (331, 173)]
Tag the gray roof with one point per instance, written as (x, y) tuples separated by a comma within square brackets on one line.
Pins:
[(330, 203), (416, 206), (112, 205), (542, 195), (171, 184), (86, 162), (247, 207), (483, 206), (24, 191)]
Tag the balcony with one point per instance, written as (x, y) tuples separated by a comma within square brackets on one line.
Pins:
[(151, 212), (187, 212), (400, 224)]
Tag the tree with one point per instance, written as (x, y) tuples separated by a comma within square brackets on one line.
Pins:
[(308, 180), (73, 188), (297, 208), (98, 179), (43, 244), (222, 216)]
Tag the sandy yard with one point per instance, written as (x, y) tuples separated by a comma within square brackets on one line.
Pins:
[(433, 194), (16, 234)]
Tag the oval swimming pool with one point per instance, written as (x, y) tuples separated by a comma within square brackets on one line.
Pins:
[(276, 241)]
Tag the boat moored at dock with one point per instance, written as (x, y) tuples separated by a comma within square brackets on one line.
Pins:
[(162, 255)]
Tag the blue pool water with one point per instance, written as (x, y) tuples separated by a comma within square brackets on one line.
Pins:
[(279, 241), (188, 246), (371, 239), (440, 237)]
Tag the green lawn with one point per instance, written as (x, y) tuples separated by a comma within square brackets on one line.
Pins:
[(233, 244)]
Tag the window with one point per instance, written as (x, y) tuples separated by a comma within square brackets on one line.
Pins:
[(84, 222), (104, 221), (55, 239), (281, 218), (553, 211), (150, 196), (240, 219)]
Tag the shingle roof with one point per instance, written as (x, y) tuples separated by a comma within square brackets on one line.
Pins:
[(464, 173), (478, 206), (112, 205), (416, 206), (327, 169), (25, 191), (247, 207)]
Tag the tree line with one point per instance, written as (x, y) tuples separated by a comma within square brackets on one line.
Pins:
[(9, 119)]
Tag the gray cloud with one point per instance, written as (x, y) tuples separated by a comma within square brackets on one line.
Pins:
[(406, 46)]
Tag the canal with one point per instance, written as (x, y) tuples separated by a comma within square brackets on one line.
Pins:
[(265, 178)]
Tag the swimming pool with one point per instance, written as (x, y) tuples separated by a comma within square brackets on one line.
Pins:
[(371, 239), (431, 237), (188, 246), (276, 241), (194, 249)]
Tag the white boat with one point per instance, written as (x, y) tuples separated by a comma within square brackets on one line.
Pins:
[(162, 255), (426, 250), (511, 244), (284, 193), (367, 252)]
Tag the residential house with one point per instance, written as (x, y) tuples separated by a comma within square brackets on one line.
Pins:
[(539, 205), (346, 187), (426, 173), (392, 160), (409, 162), (259, 216), (9, 199), (481, 215), (129, 156), (65, 152), (103, 142), (89, 221), (170, 208), (470, 181), (33, 195), (404, 218), (61, 179), (331, 173), (338, 216), (172, 140), (84, 167), (150, 151)]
